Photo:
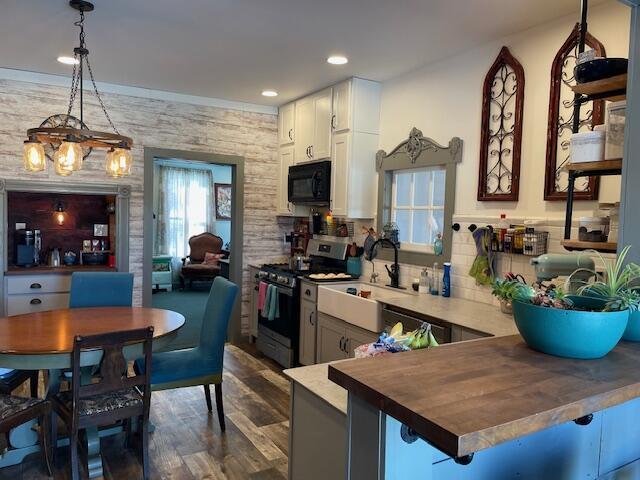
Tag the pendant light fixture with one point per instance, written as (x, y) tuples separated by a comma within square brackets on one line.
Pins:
[(66, 140), (59, 215)]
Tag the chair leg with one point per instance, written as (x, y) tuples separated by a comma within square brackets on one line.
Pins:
[(45, 444), (33, 383), (219, 406), (144, 437), (73, 450), (127, 433), (53, 436), (207, 396)]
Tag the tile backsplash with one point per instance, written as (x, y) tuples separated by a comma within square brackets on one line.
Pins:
[(464, 253)]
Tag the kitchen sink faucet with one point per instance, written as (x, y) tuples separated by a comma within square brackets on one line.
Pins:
[(394, 271)]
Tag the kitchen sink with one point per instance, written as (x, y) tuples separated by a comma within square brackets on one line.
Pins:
[(362, 312)]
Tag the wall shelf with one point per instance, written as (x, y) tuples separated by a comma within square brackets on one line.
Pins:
[(612, 88), (604, 167), (607, 247)]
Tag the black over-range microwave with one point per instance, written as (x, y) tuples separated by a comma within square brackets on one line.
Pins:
[(310, 183)]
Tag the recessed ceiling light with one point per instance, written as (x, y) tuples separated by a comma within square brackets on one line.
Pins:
[(269, 93), (68, 60), (337, 60)]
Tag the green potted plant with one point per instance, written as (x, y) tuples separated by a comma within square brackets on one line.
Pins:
[(505, 290), (619, 285)]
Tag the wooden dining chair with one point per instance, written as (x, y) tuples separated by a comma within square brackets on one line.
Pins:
[(11, 379), (101, 289), (14, 411), (201, 365), (112, 396)]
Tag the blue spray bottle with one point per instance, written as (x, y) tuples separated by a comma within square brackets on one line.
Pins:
[(446, 280)]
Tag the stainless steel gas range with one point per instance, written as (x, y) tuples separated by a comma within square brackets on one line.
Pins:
[(279, 338)]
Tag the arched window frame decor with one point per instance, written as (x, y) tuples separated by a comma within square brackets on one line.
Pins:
[(502, 107), (591, 114)]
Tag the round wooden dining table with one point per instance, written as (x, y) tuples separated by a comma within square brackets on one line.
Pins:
[(44, 341)]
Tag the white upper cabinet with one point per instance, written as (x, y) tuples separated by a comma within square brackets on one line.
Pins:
[(341, 119), (286, 124), (340, 123), (321, 146), (353, 175), (304, 120), (313, 127)]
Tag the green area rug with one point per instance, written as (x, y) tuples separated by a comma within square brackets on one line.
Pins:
[(191, 304)]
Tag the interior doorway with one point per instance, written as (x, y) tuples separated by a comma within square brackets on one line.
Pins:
[(193, 217)]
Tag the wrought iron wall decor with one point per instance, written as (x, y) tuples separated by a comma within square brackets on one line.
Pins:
[(561, 111), (501, 133)]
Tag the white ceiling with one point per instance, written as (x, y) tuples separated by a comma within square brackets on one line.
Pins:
[(234, 49)]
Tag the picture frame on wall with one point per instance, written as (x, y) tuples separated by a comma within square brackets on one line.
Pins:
[(223, 193)]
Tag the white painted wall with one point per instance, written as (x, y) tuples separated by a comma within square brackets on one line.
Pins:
[(444, 100)]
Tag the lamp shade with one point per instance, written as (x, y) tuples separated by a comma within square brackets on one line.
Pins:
[(33, 155), (62, 167), (119, 162), (69, 156)]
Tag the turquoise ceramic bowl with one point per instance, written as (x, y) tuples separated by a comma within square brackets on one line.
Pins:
[(632, 332), (570, 333)]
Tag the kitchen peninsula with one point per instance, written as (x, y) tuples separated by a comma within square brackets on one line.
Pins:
[(491, 408)]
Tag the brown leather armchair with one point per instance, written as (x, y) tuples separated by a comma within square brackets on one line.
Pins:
[(192, 266)]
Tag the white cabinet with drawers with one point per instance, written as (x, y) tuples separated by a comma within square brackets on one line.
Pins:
[(36, 293)]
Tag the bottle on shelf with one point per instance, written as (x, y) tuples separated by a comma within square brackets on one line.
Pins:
[(502, 227)]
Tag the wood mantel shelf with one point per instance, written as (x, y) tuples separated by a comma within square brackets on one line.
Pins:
[(469, 396)]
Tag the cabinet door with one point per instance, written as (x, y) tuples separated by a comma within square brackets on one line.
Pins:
[(286, 160), (356, 337), (331, 339), (341, 149), (304, 120), (286, 124), (341, 119), (321, 146), (308, 321)]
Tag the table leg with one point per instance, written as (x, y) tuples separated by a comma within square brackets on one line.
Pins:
[(94, 458)]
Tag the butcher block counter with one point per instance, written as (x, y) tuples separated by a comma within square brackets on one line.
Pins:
[(496, 392)]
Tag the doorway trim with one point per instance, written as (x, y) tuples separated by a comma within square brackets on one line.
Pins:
[(234, 332)]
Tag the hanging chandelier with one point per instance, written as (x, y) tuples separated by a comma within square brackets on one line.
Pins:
[(66, 140)]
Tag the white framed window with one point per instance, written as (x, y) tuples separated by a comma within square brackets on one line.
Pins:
[(417, 206)]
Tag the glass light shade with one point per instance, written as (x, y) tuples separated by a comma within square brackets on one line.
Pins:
[(59, 217), (33, 155), (119, 162), (61, 165), (69, 156)]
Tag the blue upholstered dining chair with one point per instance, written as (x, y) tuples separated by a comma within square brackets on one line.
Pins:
[(101, 289), (201, 365)]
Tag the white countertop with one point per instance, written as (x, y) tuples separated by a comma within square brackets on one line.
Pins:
[(478, 316), (315, 379)]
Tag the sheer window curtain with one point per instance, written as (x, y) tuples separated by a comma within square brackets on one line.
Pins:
[(185, 208)]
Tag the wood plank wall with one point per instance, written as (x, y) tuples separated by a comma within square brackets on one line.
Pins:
[(160, 124)]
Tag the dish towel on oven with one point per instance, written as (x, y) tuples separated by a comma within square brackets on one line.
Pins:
[(262, 295), (272, 304)]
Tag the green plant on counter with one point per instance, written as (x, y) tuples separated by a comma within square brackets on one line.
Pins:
[(619, 284), (511, 290)]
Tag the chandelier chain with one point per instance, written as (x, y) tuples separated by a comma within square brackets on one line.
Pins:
[(99, 97), (83, 56), (75, 80)]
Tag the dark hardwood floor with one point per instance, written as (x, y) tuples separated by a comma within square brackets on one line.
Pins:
[(187, 443)]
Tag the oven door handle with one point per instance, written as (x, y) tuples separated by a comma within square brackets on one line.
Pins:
[(284, 290)]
